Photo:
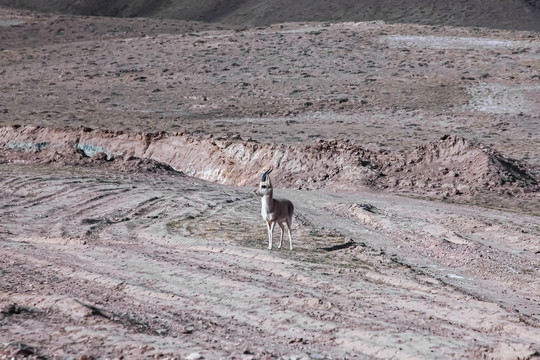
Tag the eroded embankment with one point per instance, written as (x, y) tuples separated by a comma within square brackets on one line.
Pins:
[(451, 166)]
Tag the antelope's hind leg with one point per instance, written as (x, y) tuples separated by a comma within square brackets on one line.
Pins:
[(289, 223)]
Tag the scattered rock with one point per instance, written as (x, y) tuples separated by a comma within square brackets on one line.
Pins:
[(194, 356), (14, 309), (367, 207)]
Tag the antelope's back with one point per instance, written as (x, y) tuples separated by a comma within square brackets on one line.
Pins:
[(286, 208)]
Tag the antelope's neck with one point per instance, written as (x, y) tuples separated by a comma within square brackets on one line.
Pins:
[(267, 202)]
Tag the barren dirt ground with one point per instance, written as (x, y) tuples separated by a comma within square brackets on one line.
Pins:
[(384, 86), (114, 265), (126, 257)]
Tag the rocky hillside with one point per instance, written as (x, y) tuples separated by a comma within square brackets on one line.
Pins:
[(510, 14)]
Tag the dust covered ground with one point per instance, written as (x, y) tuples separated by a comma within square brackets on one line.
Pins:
[(130, 148)]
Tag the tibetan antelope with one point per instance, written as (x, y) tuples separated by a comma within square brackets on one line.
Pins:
[(274, 210)]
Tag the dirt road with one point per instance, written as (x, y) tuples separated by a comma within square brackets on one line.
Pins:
[(112, 265)]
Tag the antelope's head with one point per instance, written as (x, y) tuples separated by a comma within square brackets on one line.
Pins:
[(265, 186)]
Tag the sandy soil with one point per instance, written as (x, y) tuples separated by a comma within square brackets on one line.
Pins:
[(129, 155)]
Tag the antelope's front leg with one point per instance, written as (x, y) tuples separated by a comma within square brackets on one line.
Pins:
[(270, 225)]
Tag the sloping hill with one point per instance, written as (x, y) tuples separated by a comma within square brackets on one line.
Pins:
[(509, 14)]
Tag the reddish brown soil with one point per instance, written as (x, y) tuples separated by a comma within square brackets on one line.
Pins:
[(129, 227)]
